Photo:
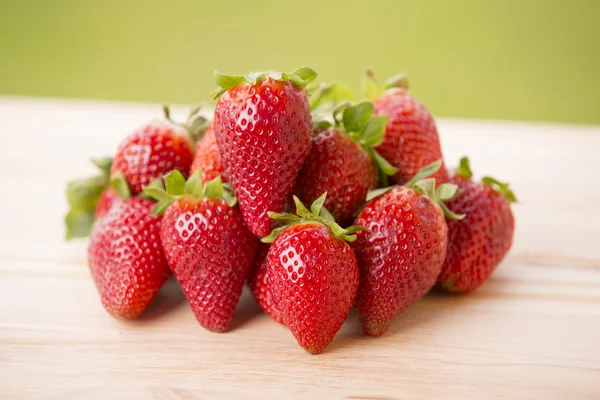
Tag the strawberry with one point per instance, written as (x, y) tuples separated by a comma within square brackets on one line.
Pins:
[(152, 151), (478, 243), (126, 258), (411, 139), (263, 128), (107, 199), (207, 245), (401, 252), (312, 274), (342, 161), (208, 157), (258, 282), (88, 199)]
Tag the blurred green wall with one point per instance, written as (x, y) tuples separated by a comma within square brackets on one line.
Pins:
[(522, 60)]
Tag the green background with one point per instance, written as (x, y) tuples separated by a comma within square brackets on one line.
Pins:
[(519, 60)]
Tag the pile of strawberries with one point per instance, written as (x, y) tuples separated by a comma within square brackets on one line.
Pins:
[(317, 202)]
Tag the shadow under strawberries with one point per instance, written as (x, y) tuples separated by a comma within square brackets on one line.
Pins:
[(422, 315), (434, 305), (169, 298), (246, 310)]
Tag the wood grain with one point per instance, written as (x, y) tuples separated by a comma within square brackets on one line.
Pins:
[(532, 331)]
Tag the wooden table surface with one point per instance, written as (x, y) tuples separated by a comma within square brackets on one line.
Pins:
[(532, 331)]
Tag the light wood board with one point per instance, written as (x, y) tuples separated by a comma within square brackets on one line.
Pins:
[(532, 331)]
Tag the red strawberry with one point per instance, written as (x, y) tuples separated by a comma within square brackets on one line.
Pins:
[(208, 247), (208, 157), (402, 249), (108, 198), (478, 243), (263, 128), (126, 258), (258, 282), (342, 162), (313, 275), (88, 199), (152, 151), (411, 139)]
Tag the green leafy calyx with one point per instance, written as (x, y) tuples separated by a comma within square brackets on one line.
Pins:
[(104, 164), (300, 77), (502, 187), (199, 120), (423, 184), (82, 197), (176, 187), (398, 81), (361, 126), (358, 122), (464, 168), (377, 192), (119, 184), (318, 214), (327, 95), (373, 90), (324, 99)]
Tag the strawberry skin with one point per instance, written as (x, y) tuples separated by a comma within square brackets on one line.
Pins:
[(105, 202), (411, 139), (126, 258), (263, 131), (479, 242), (210, 252), (208, 157), (313, 278), (400, 254), (258, 282), (152, 151), (339, 166)]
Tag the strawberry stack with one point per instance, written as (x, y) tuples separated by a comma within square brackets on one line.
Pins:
[(317, 202)]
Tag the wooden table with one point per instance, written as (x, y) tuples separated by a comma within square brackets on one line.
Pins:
[(532, 331)]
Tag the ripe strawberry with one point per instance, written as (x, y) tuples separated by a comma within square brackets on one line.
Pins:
[(258, 282), (411, 139), (208, 247), (478, 243), (312, 274), (263, 128), (153, 150), (208, 157), (107, 199), (126, 258), (88, 199), (343, 163), (401, 252)]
